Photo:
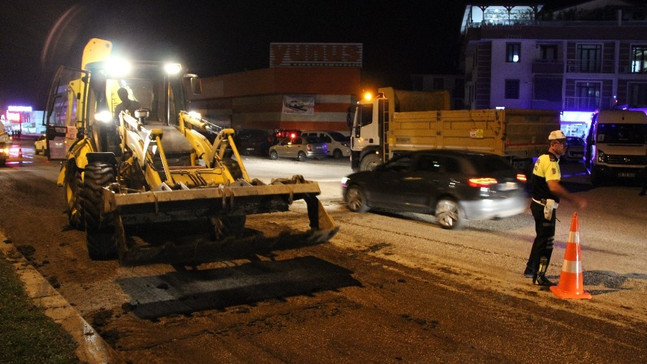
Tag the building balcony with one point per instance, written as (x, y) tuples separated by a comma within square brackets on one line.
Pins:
[(590, 66), (542, 66), (587, 103)]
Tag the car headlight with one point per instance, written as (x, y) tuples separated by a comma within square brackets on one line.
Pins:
[(344, 182)]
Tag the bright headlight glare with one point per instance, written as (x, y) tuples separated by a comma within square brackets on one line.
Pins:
[(103, 116), (117, 67), (344, 181), (195, 115), (172, 68)]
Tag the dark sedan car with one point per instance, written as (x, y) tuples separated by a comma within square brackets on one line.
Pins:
[(452, 185)]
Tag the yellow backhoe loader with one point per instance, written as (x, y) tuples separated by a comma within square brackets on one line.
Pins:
[(137, 164)]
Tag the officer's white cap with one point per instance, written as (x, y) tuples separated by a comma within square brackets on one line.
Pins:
[(556, 135)]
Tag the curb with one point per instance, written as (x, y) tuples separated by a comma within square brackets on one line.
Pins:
[(91, 348)]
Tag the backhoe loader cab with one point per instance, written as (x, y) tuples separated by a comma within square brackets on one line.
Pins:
[(137, 162)]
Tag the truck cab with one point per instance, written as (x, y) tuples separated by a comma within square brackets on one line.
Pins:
[(616, 146)]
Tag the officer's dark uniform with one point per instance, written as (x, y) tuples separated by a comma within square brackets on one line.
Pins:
[(546, 169)]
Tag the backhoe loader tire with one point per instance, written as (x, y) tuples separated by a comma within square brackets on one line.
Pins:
[(73, 185), (100, 228)]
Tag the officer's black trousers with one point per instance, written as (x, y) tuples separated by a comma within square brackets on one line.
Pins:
[(543, 244)]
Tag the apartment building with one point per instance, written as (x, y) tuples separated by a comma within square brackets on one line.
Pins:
[(580, 58)]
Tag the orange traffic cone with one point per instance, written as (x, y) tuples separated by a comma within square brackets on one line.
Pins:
[(571, 281)]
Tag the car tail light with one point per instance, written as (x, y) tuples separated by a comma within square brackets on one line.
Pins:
[(309, 148), (482, 182), (522, 177)]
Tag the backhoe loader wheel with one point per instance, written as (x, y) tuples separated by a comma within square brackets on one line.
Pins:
[(227, 226), (100, 227), (72, 187)]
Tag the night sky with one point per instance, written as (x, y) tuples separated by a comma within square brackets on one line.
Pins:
[(219, 37)]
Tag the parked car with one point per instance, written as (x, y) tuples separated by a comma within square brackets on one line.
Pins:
[(40, 145), (252, 141), (574, 149), (299, 148), (338, 144), (452, 185)]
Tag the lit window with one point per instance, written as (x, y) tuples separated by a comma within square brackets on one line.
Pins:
[(513, 52), (639, 59)]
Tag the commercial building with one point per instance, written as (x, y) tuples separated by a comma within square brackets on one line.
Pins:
[(307, 86)]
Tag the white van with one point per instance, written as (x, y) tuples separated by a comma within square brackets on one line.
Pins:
[(616, 146), (338, 144)]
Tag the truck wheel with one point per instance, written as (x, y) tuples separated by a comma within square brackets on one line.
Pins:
[(369, 162), (274, 155), (301, 156), (101, 237), (72, 186), (337, 154), (355, 199), (449, 214)]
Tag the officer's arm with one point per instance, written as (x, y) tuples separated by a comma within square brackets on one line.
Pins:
[(558, 190)]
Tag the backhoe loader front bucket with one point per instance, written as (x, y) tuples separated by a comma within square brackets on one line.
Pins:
[(213, 206)]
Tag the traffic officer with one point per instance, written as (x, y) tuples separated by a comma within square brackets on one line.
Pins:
[(546, 192)]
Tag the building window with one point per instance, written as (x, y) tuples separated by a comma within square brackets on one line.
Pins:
[(639, 59), (548, 89), (587, 95), (511, 89), (589, 58), (513, 52), (438, 83), (548, 52), (637, 94)]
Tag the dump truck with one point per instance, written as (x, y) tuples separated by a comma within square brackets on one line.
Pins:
[(397, 121), (142, 178)]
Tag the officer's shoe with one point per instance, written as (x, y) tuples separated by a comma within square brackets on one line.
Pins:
[(528, 273), (541, 280)]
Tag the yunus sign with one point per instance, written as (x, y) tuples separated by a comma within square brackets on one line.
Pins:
[(315, 54)]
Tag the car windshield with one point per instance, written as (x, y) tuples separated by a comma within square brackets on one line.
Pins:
[(622, 133), (574, 141), (403, 163)]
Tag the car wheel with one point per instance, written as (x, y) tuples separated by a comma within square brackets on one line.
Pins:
[(301, 156), (449, 214), (274, 155), (355, 199), (337, 154)]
